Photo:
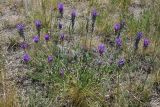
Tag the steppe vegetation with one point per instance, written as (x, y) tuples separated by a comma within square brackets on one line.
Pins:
[(79, 53)]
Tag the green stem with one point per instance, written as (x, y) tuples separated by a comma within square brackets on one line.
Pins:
[(118, 86)]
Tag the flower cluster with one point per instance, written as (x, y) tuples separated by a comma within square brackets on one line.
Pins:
[(62, 37), (61, 9), (146, 43), (94, 16), (50, 59), (26, 58), (121, 62), (73, 16), (38, 25), (101, 49), (118, 41), (20, 28), (60, 56), (24, 45), (36, 39), (117, 28), (137, 40), (47, 37)]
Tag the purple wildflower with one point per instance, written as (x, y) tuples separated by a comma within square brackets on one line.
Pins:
[(138, 38), (101, 49), (146, 42), (26, 58), (36, 39), (139, 35), (47, 37), (60, 25), (38, 24), (73, 16), (94, 14), (20, 28), (50, 59), (62, 37), (117, 27), (118, 41), (61, 8), (61, 73), (121, 62), (24, 45)]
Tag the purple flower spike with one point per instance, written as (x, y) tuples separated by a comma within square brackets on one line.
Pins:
[(101, 49), (118, 42), (20, 27), (121, 62), (61, 8), (60, 26), (36, 39), (47, 37), (117, 27), (138, 38), (146, 43), (62, 37), (139, 35), (94, 14), (62, 73), (73, 14), (24, 45), (38, 24), (26, 58), (50, 59)]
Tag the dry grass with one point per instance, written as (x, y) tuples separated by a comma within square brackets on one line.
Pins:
[(8, 95)]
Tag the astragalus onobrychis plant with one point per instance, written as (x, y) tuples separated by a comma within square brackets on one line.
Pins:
[(78, 75)]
